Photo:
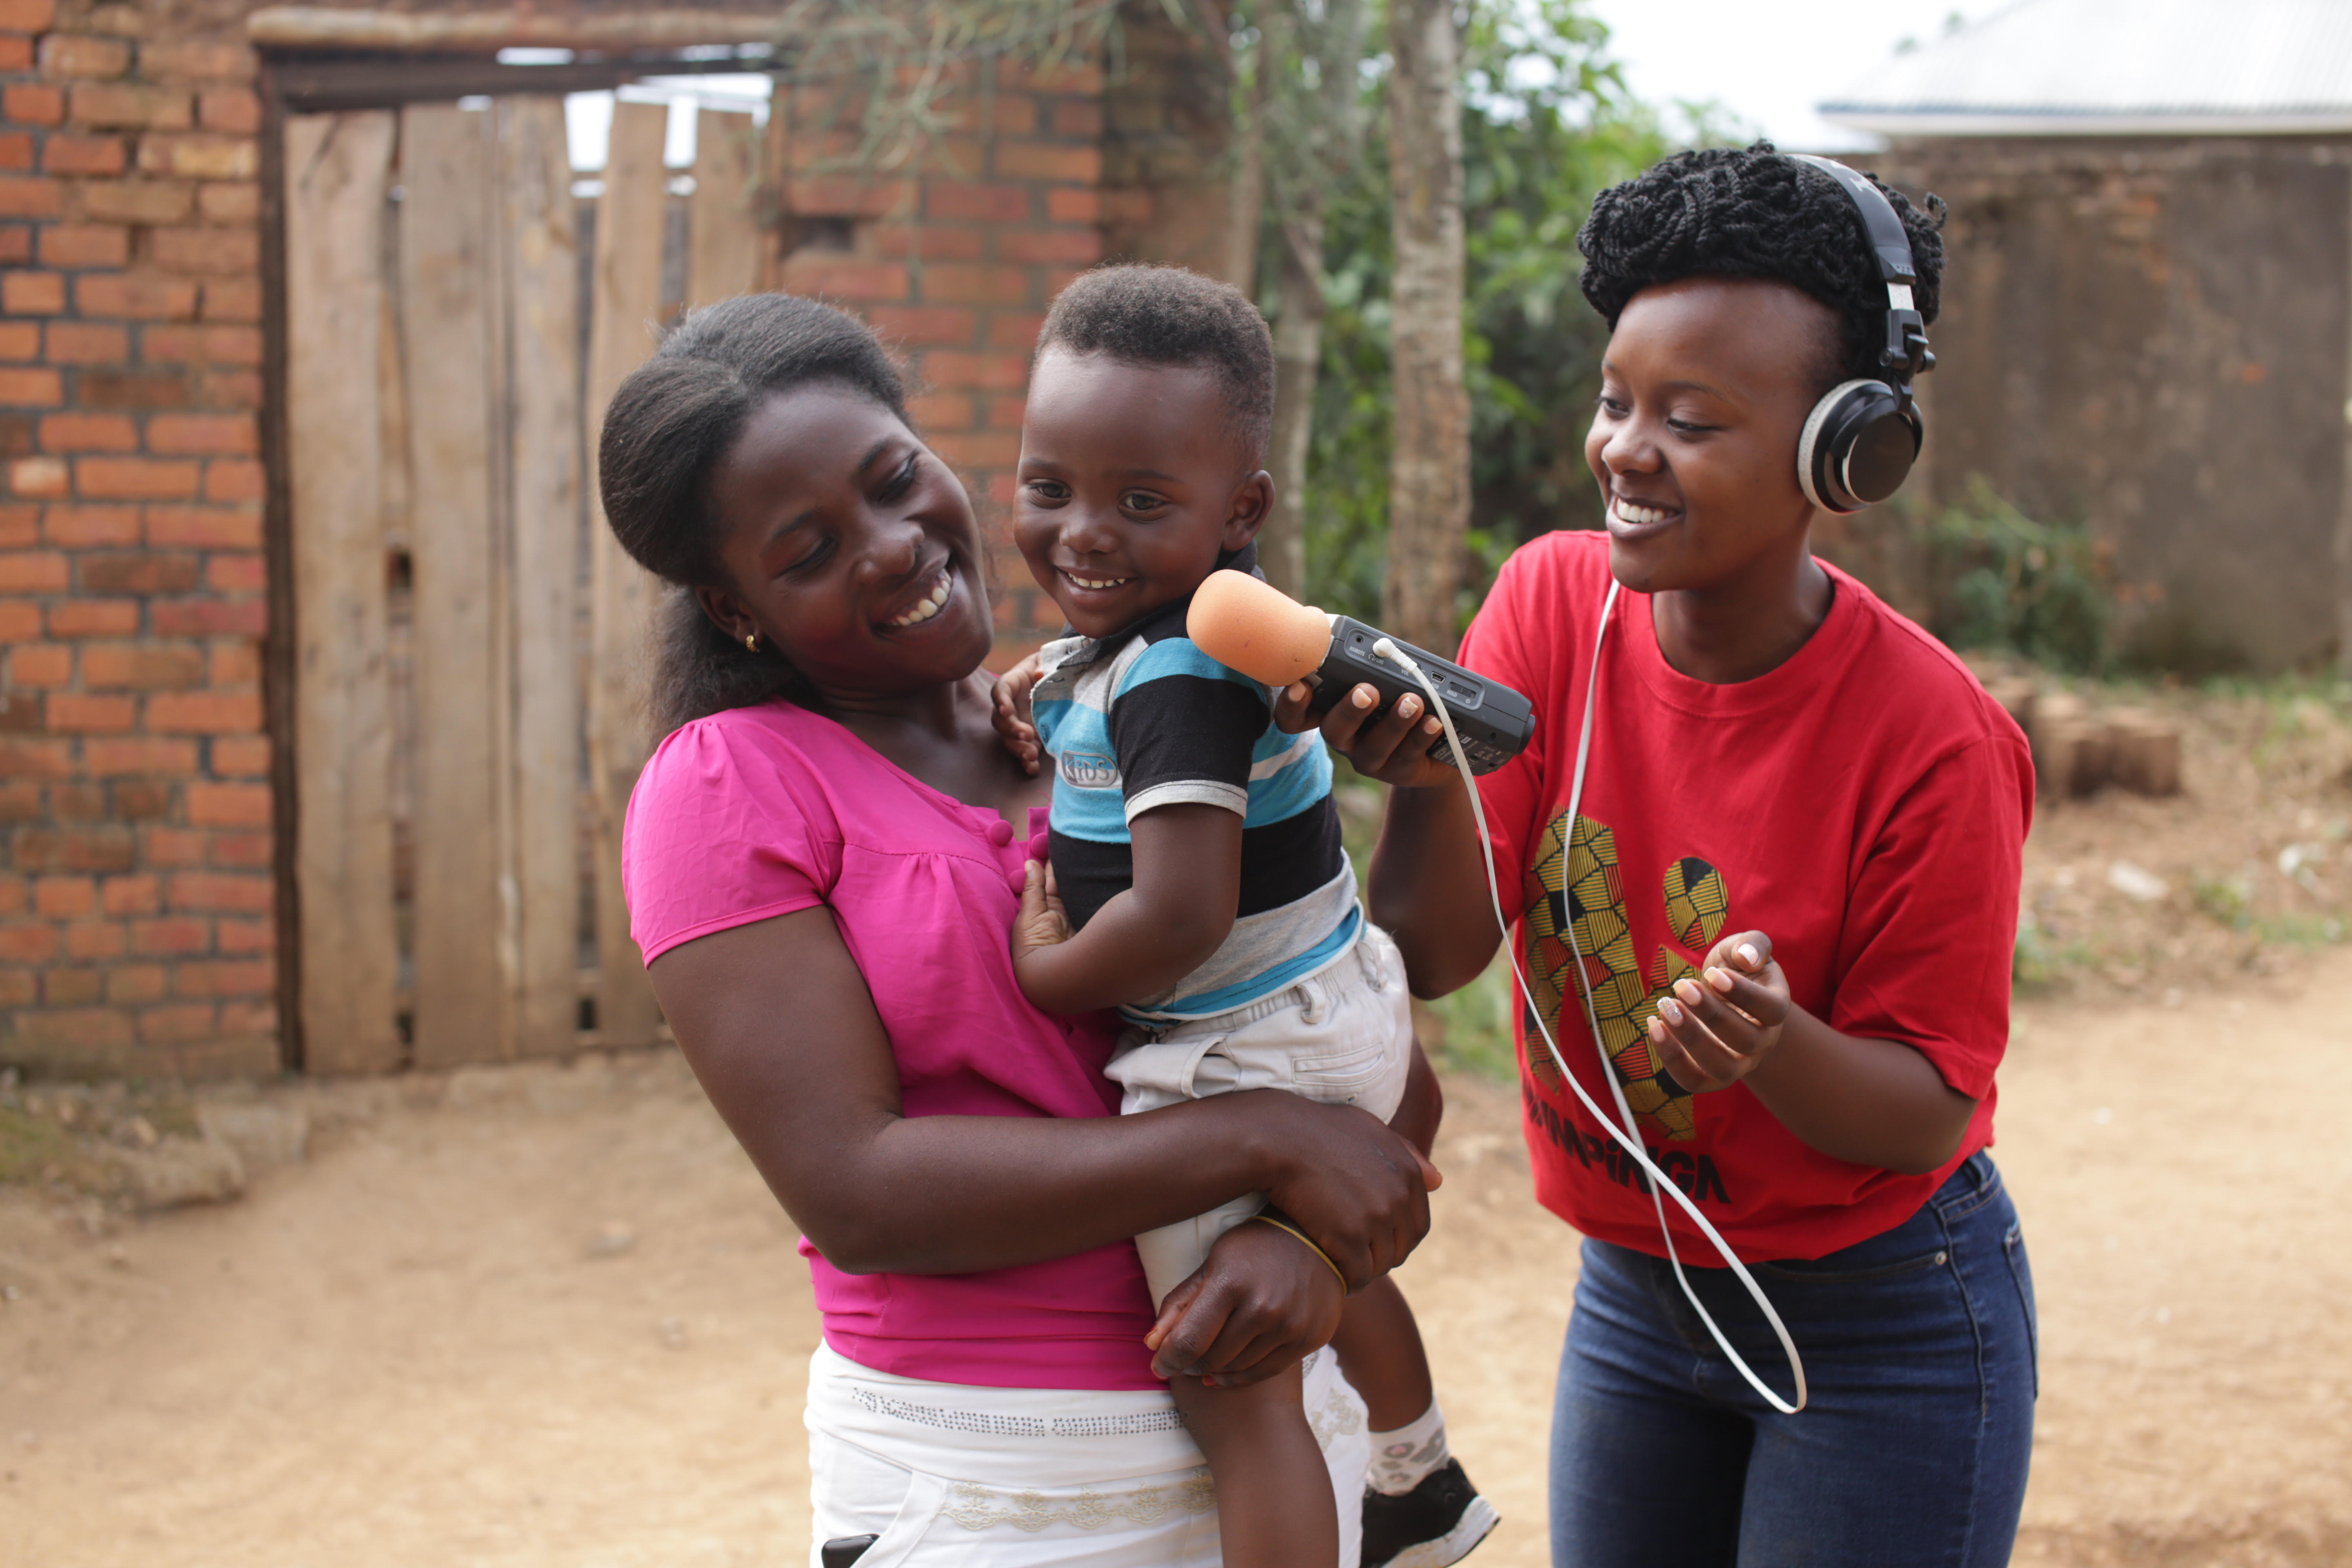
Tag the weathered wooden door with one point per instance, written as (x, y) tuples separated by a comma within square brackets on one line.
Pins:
[(468, 716)]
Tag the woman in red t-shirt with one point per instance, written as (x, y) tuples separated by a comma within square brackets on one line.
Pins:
[(1792, 878)]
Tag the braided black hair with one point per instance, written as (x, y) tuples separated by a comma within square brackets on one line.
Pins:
[(1148, 315), (670, 423), (1725, 212)]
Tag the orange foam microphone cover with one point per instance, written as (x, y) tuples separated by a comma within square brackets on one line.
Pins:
[(1246, 624)]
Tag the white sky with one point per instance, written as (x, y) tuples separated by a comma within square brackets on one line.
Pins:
[(588, 116), (1768, 62)]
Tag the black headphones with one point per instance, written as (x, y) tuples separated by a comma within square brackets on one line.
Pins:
[(1861, 438)]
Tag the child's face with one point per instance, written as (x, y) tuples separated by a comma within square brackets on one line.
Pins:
[(1703, 394), (1131, 482), (851, 548)]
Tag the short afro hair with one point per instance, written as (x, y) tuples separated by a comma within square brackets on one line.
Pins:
[(1170, 316), (1725, 212)]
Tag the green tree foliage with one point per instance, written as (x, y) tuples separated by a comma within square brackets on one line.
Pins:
[(2005, 581), (1546, 123)]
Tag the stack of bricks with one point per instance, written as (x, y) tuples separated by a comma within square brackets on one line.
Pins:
[(954, 265), (135, 897)]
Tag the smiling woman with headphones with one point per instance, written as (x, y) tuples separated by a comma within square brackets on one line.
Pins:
[(1767, 842)]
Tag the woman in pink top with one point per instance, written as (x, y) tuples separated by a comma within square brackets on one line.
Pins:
[(823, 860)]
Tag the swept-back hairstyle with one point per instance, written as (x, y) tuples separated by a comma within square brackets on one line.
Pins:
[(1144, 314), (1728, 211), (670, 424)]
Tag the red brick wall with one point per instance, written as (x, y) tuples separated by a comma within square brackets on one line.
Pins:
[(954, 263), (135, 921), (137, 932)]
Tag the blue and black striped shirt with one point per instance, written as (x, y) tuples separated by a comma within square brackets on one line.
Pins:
[(1145, 718)]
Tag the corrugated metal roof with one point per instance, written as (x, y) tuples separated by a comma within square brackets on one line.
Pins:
[(2091, 68)]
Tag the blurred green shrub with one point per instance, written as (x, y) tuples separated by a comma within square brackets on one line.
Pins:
[(2005, 581), (1477, 1027)]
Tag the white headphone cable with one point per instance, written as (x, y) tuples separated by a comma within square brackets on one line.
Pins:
[(1628, 1137)]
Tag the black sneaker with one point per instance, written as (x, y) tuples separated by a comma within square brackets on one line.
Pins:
[(1437, 1522)]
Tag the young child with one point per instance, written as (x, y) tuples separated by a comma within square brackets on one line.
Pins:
[(1197, 879)]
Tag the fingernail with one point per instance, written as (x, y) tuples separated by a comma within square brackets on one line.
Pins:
[(1433, 727), (1688, 989), (1361, 697), (1658, 1033), (1719, 978), (1668, 1011), (1747, 951), (1409, 707)]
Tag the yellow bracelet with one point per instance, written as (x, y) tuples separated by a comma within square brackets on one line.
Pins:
[(1307, 1242)]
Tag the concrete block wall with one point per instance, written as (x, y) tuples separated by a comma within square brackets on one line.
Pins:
[(136, 929), (2150, 337)]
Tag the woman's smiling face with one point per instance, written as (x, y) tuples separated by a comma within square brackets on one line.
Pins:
[(1704, 393), (848, 546)]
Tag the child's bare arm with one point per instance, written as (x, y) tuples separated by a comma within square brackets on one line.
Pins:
[(1187, 874)]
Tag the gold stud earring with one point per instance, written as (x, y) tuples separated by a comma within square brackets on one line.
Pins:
[(751, 642)]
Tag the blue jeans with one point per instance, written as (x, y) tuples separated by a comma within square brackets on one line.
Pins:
[(1919, 1346)]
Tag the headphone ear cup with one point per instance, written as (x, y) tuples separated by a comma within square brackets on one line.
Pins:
[(1857, 448)]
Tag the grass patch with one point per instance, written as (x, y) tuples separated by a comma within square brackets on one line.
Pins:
[(31, 1145), (2040, 961)]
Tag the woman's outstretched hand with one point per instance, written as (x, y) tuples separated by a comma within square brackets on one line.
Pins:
[(1009, 710), (1260, 1303), (1716, 1029)]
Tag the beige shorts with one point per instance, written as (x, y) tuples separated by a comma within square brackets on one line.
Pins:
[(1343, 1035)]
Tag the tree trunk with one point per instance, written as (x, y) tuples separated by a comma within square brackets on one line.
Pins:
[(1249, 157), (1429, 467), (1322, 137), (1297, 355)]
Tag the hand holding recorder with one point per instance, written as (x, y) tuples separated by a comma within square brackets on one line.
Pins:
[(1321, 664)]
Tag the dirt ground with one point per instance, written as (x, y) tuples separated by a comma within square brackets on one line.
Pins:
[(542, 1316), (548, 1316)]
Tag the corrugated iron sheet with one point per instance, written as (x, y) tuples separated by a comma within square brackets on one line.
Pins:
[(2041, 66)]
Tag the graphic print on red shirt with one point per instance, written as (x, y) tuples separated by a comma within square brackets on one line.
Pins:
[(1572, 888), (1865, 806)]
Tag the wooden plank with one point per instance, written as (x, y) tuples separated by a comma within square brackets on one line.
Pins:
[(543, 293), (311, 85), (338, 172), (773, 192), (722, 256), (623, 297), (444, 236), (648, 28)]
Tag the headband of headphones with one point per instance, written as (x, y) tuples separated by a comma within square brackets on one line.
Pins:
[(1904, 353)]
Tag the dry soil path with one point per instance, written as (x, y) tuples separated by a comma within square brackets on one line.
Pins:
[(549, 1316)]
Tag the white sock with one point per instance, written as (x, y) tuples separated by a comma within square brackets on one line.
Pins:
[(1401, 1458)]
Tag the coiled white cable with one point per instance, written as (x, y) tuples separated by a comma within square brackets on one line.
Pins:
[(1628, 1137)]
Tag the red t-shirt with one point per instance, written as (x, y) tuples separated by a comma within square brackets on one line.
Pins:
[(1865, 806)]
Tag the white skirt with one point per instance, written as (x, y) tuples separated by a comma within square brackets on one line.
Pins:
[(951, 1473)]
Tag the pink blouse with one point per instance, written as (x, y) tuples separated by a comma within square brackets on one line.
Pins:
[(758, 812)]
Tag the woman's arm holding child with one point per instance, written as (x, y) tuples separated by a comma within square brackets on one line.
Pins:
[(775, 1019)]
